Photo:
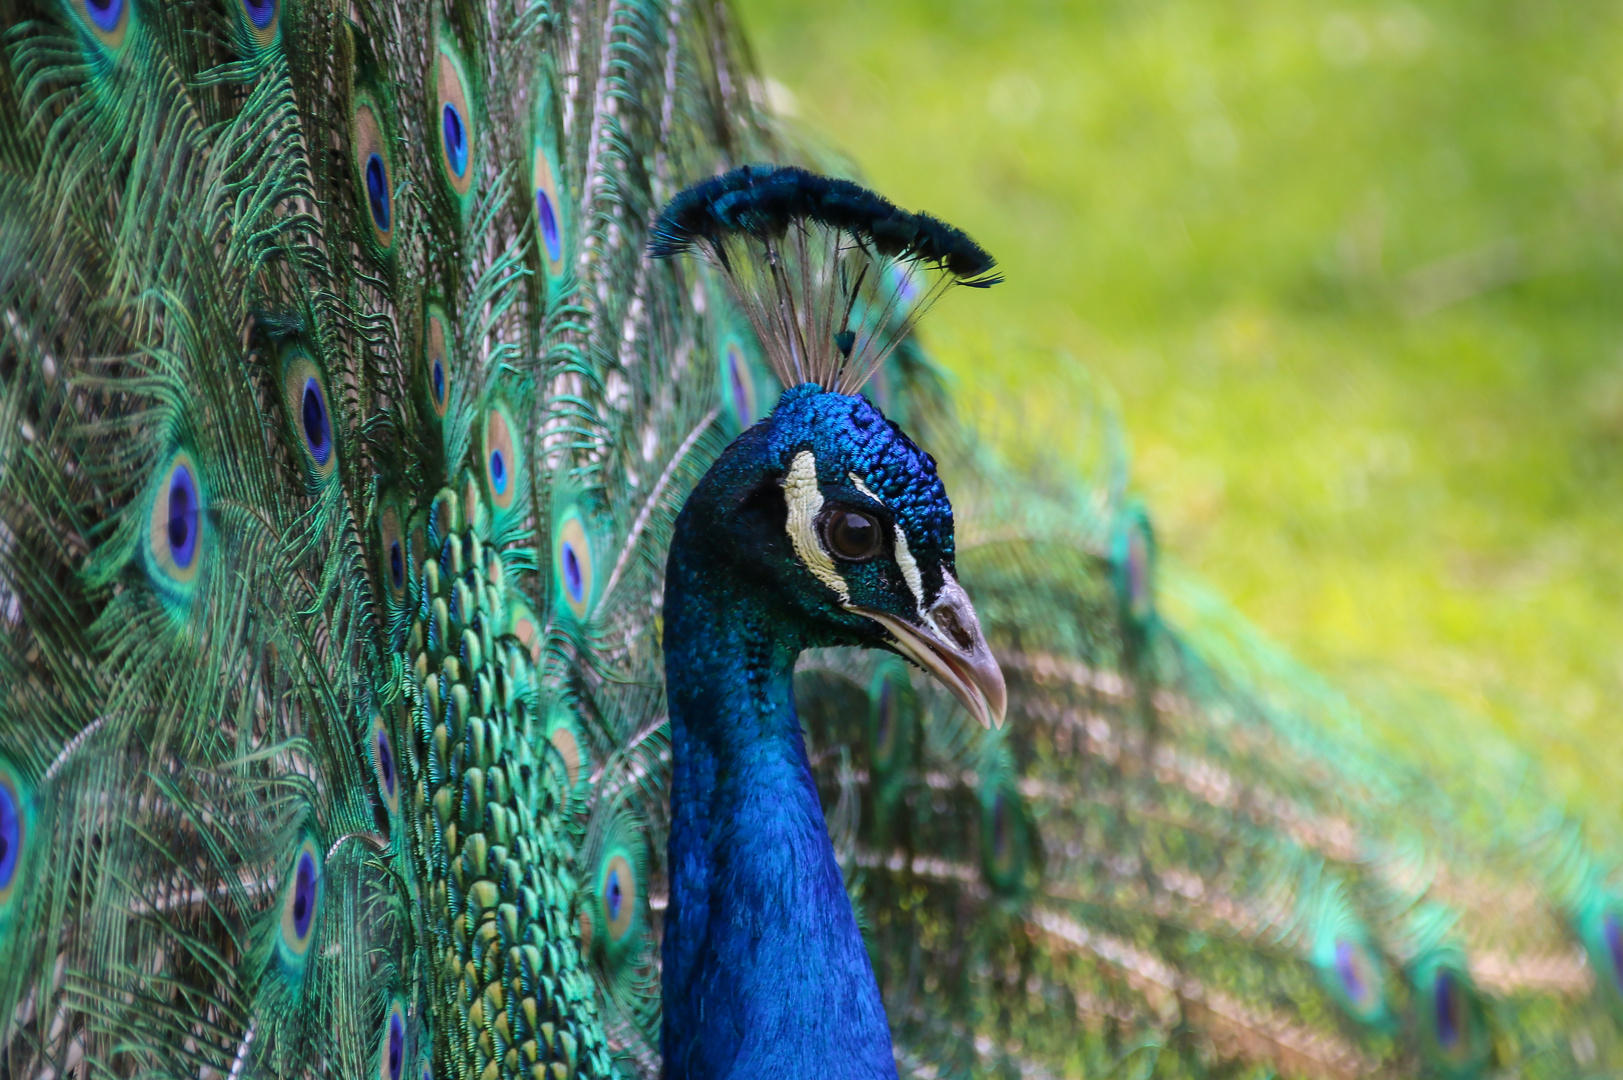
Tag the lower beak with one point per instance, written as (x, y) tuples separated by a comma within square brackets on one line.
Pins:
[(948, 643)]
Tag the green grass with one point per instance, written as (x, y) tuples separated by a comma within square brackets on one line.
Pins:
[(1355, 275)]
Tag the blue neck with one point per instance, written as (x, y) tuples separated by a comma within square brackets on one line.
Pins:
[(764, 971)]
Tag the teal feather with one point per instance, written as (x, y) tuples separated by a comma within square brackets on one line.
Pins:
[(251, 645)]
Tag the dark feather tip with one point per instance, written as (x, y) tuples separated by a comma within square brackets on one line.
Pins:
[(764, 200)]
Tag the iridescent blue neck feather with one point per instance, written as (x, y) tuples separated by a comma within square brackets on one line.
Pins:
[(765, 972)]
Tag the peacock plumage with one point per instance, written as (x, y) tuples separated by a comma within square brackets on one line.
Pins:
[(352, 388)]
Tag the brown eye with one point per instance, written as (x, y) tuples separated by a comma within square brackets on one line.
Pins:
[(852, 535)]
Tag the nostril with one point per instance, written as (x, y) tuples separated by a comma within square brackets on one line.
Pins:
[(951, 625)]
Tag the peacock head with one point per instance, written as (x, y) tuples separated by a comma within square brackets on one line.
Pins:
[(825, 504), (840, 523)]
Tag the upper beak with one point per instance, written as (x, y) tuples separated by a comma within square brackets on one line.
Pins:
[(948, 644)]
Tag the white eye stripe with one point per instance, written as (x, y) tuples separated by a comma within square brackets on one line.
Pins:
[(805, 502), (904, 557), (856, 482), (910, 570)]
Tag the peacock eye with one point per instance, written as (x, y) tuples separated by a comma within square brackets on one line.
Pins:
[(851, 534)]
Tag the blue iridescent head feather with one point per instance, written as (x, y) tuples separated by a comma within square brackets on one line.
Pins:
[(850, 435)]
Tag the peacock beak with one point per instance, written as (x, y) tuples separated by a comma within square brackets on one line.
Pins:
[(948, 643)]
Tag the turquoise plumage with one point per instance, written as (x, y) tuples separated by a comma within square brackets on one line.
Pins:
[(344, 423)]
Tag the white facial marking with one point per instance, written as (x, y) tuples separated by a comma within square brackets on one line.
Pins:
[(910, 570), (805, 500), (856, 482), (904, 558)]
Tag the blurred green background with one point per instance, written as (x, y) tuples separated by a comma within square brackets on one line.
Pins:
[(1352, 274)]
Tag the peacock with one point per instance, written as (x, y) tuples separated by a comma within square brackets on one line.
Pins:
[(482, 600)]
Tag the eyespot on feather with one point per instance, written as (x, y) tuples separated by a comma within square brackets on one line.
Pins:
[(385, 765), (260, 21), (453, 122), (1599, 926), (417, 550), (374, 172), (304, 393), (1451, 1022), (176, 542), (503, 468), (436, 361), (564, 733), (1352, 973), (14, 836), (573, 564), (392, 1042), (1003, 839), (300, 908), (549, 212), (522, 624), (393, 556), (890, 719), (619, 891), (107, 22)]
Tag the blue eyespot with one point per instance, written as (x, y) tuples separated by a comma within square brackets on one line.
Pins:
[(174, 544), (1000, 828), (458, 124), (574, 580), (393, 547), (1448, 1006), (572, 562), (301, 900), (549, 188), (385, 766), (304, 392), (503, 466), (1350, 973), (303, 909), (436, 360), (396, 1047), (619, 891), (1005, 836), (260, 12), (377, 191), (11, 834), (456, 139), (386, 763), (313, 413), (392, 1054), (105, 14), (369, 143), (550, 233), (183, 511)]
